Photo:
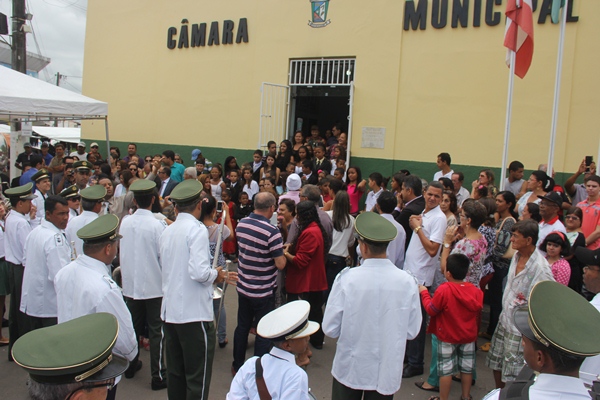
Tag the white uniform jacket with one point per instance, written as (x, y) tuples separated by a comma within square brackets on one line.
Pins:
[(187, 272), (140, 261), (46, 253), (85, 287), (549, 386), (373, 309), (40, 213), (285, 380), (75, 224), (16, 229)]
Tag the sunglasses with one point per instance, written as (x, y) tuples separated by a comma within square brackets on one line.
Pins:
[(76, 198)]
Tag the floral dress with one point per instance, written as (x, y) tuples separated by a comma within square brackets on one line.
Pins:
[(476, 251)]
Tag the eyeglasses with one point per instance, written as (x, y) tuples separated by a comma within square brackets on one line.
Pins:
[(161, 172), (573, 217), (148, 160), (76, 198), (108, 387), (133, 169)]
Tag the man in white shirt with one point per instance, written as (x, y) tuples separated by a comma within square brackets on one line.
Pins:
[(386, 203), (459, 190), (443, 164), (91, 203), (288, 328), (16, 229), (142, 275), (81, 154), (42, 190), (85, 285), (377, 300), (46, 252), (549, 207), (422, 260), (187, 274)]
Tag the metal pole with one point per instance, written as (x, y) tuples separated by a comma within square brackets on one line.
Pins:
[(19, 41), (561, 45), (511, 82)]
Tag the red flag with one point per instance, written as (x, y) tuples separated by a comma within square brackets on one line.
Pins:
[(519, 34)]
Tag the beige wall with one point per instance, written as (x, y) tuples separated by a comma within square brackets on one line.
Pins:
[(433, 90)]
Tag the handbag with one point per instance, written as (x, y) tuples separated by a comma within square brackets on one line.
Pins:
[(510, 252)]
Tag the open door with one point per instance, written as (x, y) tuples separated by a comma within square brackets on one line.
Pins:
[(274, 109), (350, 104)]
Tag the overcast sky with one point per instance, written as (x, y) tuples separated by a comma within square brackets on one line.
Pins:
[(59, 27)]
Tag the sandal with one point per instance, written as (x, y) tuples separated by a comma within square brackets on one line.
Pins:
[(434, 398), (468, 398), (420, 385), (485, 347)]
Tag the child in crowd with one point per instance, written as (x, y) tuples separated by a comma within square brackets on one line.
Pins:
[(229, 247), (303, 155), (229, 165), (340, 173), (309, 177), (324, 186), (557, 247), (235, 186), (244, 209), (356, 188), (269, 166), (250, 185), (454, 312), (257, 164)]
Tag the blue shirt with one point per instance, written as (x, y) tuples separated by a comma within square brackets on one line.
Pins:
[(26, 177), (177, 172)]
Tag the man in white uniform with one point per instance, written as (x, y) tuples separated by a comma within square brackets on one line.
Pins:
[(422, 260), (187, 274), (16, 228), (372, 310), (42, 190), (46, 252), (85, 285), (73, 198), (556, 326), (278, 375), (142, 276), (91, 204)]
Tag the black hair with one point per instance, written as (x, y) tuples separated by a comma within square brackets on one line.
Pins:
[(377, 178), (476, 212), (528, 228), (259, 152), (398, 177), (458, 265), (336, 185), (307, 214), (167, 170), (453, 202), (88, 205), (445, 157), (542, 177), (448, 185), (387, 202), (144, 200), (534, 211), (559, 239), (341, 211), (290, 204), (169, 154), (35, 160), (51, 202), (414, 183), (563, 363), (515, 166), (209, 203), (510, 197), (461, 176), (308, 164)]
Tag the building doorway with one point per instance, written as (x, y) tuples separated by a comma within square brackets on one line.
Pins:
[(323, 106)]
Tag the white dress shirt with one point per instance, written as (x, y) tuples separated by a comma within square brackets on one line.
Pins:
[(187, 272), (46, 253), (163, 186), (590, 369), (85, 287), (550, 386), (396, 248), (417, 260), (372, 310), (16, 229), (340, 241), (372, 199), (284, 379), (40, 213), (76, 224), (462, 195), (140, 261), (440, 174)]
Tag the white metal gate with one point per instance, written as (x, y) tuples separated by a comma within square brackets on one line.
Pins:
[(274, 112)]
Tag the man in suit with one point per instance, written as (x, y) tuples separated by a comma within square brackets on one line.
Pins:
[(321, 162), (414, 203), (309, 175), (166, 183), (257, 164)]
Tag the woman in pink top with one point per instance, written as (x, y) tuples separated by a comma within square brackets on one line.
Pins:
[(557, 247), (356, 188)]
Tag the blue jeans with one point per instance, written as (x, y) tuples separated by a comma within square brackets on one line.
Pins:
[(250, 309)]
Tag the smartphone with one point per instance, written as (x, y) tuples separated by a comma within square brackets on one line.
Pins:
[(588, 162), (219, 206)]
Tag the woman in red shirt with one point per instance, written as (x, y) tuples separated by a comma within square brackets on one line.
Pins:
[(306, 278)]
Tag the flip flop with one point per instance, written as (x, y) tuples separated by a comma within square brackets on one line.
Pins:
[(485, 347), (431, 389)]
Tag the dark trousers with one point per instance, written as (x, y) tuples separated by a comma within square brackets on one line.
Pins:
[(190, 352), (38, 322), (143, 311), (249, 310), (333, 266), (18, 323), (341, 392), (495, 292), (415, 349), (315, 300), (112, 393)]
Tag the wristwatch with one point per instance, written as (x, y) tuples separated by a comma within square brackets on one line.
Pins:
[(417, 229), (447, 245)]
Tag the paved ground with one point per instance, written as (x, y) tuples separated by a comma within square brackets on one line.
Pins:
[(13, 378)]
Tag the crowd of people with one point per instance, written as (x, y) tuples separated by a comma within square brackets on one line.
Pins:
[(375, 267)]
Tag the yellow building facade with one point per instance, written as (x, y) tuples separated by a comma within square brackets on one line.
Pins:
[(407, 79)]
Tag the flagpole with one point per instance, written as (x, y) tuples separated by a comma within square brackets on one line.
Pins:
[(511, 83), (561, 45)]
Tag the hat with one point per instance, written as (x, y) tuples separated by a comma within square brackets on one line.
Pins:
[(71, 191), (293, 182), (21, 192), (27, 144), (560, 318), (93, 193), (289, 321), (83, 164), (142, 186), (554, 197), (94, 144), (45, 144), (79, 350), (374, 228), (41, 174), (587, 256), (81, 144), (195, 154), (186, 191), (101, 229)]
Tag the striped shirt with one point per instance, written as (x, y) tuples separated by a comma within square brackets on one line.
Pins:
[(259, 243)]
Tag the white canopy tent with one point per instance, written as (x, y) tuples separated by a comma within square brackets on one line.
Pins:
[(24, 98), (60, 134)]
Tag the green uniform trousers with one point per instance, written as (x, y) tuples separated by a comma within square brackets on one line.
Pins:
[(18, 323), (190, 352)]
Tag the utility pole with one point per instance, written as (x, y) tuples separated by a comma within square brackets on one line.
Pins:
[(18, 63), (58, 76)]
